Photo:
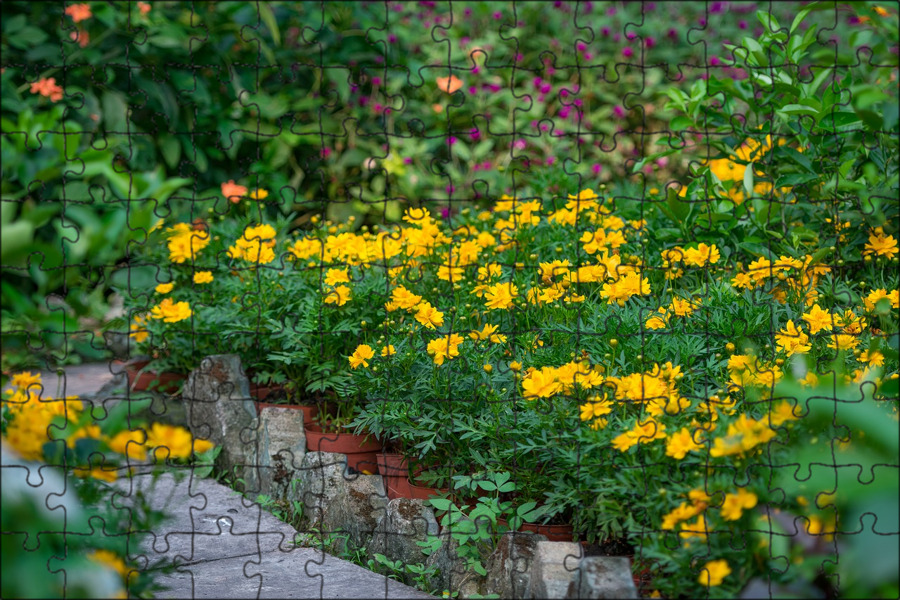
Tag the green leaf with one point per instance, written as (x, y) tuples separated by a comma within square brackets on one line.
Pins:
[(440, 503), (748, 180), (678, 207), (115, 112), (268, 17), (171, 150), (802, 15)]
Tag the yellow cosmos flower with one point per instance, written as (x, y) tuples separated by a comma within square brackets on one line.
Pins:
[(403, 299), (540, 383), (429, 316), (818, 319), (201, 277), (361, 356), (129, 444), (336, 276), (680, 443), (880, 244), (185, 242), (339, 295), (714, 572), (388, 350), (488, 332), (792, 340), (111, 560), (444, 348), (500, 296), (169, 441), (735, 504), (259, 194), (164, 288), (25, 380), (171, 312)]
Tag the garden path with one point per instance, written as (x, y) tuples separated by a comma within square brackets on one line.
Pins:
[(225, 546)]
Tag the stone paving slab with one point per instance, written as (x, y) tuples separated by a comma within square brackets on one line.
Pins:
[(79, 380), (225, 547)]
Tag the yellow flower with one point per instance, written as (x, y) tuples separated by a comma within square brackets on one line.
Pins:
[(169, 441), (727, 170), (388, 350), (714, 572), (500, 295), (842, 341), (488, 333), (130, 444), (792, 340), (881, 294), (701, 256), (201, 277), (137, 330), (164, 288), (361, 356), (591, 410), (259, 194), (339, 295), (873, 358), (444, 347), (540, 383), (658, 321), (171, 312), (680, 443), (255, 245), (25, 380), (109, 559), (818, 319), (735, 504), (402, 298), (880, 244), (515, 366), (336, 276), (682, 512), (429, 316), (185, 242)]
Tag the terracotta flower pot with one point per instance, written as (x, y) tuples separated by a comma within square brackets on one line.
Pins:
[(309, 411), (394, 470), (361, 450), (554, 533), (261, 392), (423, 492), (150, 381)]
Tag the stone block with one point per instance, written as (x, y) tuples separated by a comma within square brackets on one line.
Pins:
[(405, 521), (282, 446), (453, 573), (553, 569), (510, 565), (220, 409), (603, 577), (336, 502)]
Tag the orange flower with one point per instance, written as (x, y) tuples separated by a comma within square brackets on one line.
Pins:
[(79, 12), (233, 191), (143, 7), (47, 87), (449, 84), (82, 37)]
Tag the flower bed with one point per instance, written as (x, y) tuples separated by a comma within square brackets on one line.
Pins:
[(642, 363)]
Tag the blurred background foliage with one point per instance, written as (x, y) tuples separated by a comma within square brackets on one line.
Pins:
[(337, 109)]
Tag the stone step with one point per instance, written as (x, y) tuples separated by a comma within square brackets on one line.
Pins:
[(224, 546)]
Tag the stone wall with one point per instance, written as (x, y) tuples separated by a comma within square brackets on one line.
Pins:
[(268, 452)]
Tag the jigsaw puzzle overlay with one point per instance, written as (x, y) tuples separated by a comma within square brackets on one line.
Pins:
[(485, 298)]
